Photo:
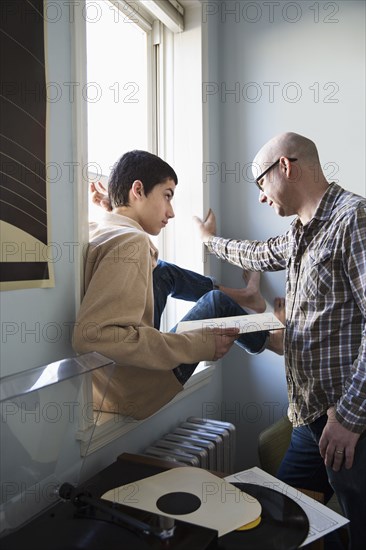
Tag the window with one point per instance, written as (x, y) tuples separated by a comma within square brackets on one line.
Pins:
[(118, 56), (117, 64), (163, 71), (132, 103)]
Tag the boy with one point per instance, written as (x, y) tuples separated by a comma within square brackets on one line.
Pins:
[(126, 290)]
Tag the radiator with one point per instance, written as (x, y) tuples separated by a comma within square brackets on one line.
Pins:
[(200, 442)]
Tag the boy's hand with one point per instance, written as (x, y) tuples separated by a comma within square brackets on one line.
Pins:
[(207, 227), (99, 195), (224, 339)]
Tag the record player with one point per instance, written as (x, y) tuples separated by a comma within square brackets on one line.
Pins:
[(43, 505), (46, 503)]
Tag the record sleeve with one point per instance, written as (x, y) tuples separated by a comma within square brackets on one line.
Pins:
[(253, 322)]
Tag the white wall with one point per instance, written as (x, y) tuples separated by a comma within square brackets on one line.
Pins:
[(36, 323), (290, 67)]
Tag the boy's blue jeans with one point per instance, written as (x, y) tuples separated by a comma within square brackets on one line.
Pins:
[(169, 279), (304, 468)]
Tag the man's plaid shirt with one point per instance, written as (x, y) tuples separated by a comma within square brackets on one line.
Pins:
[(325, 341)]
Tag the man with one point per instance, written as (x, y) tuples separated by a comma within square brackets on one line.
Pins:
[(324, 254), (126, 290)]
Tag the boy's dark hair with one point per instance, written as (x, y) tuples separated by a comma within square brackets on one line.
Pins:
[(137, 165)]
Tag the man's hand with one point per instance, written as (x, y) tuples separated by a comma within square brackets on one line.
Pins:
[(337, 444), (207, 227), (224, 339), (99, 195)]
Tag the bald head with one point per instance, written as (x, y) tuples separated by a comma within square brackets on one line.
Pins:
[(288, 145), (292, 180)]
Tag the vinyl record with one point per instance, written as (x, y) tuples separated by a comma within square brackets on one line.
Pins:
[(283, 526)]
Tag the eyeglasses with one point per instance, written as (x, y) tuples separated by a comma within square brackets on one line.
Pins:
[(257, 180)]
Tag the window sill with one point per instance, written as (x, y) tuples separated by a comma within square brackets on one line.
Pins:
[(110, 427)]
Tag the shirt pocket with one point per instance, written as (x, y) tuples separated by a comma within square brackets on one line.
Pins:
[(317, 275)]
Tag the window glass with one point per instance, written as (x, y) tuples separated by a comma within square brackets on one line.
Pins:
[(116, 90)]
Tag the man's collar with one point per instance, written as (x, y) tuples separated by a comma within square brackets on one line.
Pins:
[(327, 203), (325, 206)]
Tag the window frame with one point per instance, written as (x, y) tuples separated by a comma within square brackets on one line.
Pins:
[(161, 131)]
